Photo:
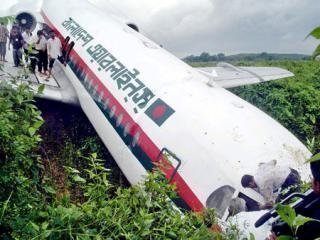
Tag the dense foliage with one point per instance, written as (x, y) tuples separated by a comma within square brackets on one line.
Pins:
[(207, 57), (19, 165)]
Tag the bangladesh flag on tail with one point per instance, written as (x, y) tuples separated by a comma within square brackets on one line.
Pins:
[(159, 112)]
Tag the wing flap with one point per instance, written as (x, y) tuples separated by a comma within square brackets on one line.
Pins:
[(228, 76)]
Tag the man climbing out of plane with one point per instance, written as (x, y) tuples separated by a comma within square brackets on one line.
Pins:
[(271, 180), (54, 50)]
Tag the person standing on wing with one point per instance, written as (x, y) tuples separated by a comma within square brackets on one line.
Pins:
[(17, 41), (4, 35), (41, 47), (27, 37), (270, 180), (54, 50)]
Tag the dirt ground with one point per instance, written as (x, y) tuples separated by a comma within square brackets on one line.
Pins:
[(65, 131)]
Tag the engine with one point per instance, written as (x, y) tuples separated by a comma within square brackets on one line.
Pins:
[(26, 21)]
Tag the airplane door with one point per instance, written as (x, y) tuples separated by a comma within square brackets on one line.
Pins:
[(64, 49), (69, 49), (166, 156)]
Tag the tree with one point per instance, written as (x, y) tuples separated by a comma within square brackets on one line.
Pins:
[(6, 20), (205, 57), (221, 57), (213, 58), (316, 34)]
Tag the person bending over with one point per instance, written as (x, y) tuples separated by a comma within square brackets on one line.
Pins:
[(270, 180)]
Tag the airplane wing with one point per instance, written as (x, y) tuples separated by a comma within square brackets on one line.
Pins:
[(227, 76), (57, 88)]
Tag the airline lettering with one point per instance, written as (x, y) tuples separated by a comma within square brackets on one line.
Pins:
[(77, 31), (126, 80)]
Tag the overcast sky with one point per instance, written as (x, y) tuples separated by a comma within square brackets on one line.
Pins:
[(187, 27), (231, 26)]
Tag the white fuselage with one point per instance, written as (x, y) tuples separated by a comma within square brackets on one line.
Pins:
[(141, 99)]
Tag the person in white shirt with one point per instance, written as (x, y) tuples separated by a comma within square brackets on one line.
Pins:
[(54, 50), (27, 38), (40, 44), (270, 180)]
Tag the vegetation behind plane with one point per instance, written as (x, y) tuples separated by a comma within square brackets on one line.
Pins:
[(206, 57)]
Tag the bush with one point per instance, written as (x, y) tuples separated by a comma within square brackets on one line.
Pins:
[(19, 165)]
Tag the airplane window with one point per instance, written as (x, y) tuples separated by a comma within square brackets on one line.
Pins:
[(220, 199), (133, 26)]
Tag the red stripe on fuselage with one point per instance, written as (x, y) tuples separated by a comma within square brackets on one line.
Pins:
[(145, 142)]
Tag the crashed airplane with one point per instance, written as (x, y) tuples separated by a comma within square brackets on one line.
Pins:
[(149, 107)]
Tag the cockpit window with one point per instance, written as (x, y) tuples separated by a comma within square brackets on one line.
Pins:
[(133, 26), (220, 199)]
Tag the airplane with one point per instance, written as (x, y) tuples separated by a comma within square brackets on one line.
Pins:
[(152, 109)]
